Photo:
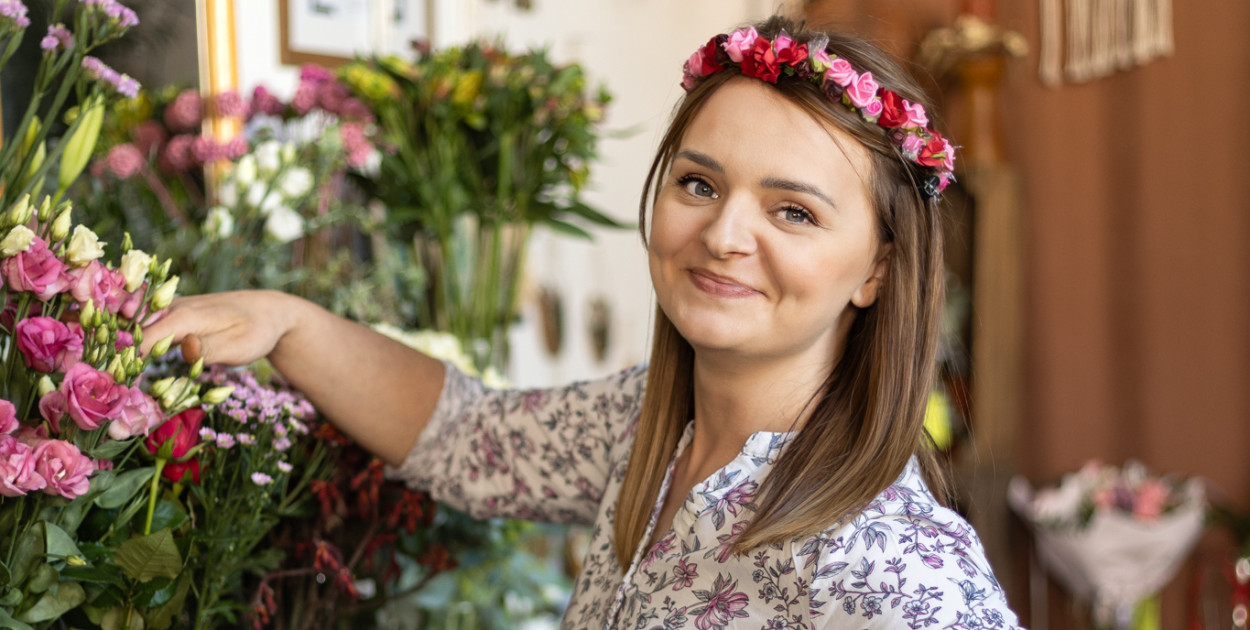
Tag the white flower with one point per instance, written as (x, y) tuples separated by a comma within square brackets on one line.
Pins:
[(165, 294), (373, 164), (268, 157), (288, 152), (134, 268), (245, 170), (256, 194), (18, 240), (228, 194), (284, 224), (295, 182), (84, 247), (219, 224)]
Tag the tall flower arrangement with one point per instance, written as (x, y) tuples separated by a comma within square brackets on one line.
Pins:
[(480, 145)]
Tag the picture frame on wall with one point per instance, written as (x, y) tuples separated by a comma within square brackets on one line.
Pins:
[(333, 32)]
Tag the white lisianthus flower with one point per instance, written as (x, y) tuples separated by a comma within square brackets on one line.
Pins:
[(284, 224), (271, 202), (219, 224), (245, 170), (256, 194), (295, 182), (373, 164), (228, 194), (84, 247), (268, 157), (288, 152), (16, 241), (134, 268)]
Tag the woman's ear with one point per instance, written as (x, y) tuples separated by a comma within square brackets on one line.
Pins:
[(866, 294)]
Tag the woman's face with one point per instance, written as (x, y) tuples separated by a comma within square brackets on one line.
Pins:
[(763, 234)]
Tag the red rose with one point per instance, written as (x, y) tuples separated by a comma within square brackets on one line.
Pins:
[(933, 153), (893, 115), (760, 62), (182, 432), (793, 54), (707, 58)]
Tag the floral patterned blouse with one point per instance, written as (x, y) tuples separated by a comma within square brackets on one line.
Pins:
[(559, 455)]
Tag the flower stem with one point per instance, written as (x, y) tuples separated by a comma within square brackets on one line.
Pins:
[(152, 489)]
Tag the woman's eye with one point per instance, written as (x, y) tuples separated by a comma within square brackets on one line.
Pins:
[(697, 187), (795, 214)]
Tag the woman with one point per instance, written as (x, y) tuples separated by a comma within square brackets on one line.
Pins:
[(765, 470)]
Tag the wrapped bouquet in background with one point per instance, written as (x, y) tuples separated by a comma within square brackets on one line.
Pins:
[(1113, 536)]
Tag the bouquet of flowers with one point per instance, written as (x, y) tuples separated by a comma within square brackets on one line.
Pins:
[(1113, 536)]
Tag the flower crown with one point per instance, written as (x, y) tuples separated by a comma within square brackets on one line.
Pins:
[(764, 59)]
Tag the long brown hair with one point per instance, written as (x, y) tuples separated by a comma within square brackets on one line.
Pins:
[(868, 418)]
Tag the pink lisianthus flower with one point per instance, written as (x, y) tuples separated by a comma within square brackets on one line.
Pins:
[(863, 90), (36, 270), (48, 345), (8, 418), (124, 340), (740, 42), (17, 468), (52, 407), (139, 414), (103, 286), (1152, 498), (63, 467), (91, 396)]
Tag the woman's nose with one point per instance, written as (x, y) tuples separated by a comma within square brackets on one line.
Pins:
[(730, 229)]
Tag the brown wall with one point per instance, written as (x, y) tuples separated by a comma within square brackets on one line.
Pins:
[(1136, 255)]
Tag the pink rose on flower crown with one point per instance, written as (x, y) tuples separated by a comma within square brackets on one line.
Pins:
[(36, 270), (841, 72), (91, 397), (862, 91), (139, 414), (63, 467), (17, 468), (740, 42), (872, 111), (916, 116), (47, 344)]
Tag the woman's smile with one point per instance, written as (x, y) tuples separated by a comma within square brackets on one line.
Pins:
[(721, 286)]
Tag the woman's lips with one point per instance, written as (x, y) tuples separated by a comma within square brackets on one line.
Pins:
[(720, 286)]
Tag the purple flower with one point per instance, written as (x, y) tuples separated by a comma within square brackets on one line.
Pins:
[(225, 440), (260, 478), (285, 467), (16, 11), (48, 43)]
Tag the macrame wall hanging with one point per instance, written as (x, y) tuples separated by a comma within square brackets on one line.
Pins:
[(1083, 40)]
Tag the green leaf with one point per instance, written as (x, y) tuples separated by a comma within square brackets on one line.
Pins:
[(595, 217), (59, 544), (124, 487), (116, 618), (43, 579), (144, 558), (11, 598), (10, 623), (162, 616), (28, 554), (168, 515), (64, 598), (567, 229), (110, 449), (107, 574)]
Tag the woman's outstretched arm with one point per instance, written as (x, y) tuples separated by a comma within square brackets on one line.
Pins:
[(375, 389)]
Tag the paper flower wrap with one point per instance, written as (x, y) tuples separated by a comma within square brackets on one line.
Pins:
[(1111, 556)]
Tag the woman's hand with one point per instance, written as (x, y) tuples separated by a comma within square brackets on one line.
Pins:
[(234, 328), (375, 389)]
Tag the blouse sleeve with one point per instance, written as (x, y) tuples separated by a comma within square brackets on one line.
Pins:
[(539, 454), (906, 562)]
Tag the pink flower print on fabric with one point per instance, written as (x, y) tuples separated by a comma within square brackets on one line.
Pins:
[(723, 605)]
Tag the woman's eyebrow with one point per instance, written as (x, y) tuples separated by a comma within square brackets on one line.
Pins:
[(798, 187), (702, 159)]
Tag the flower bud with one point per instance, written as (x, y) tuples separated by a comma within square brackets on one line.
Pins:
[(128, 355), (116, 369), (16, 241), (127, 244), (84, 247), (197, 368), (162, 346), (75, 561), (159, 388), (46, 385), (137, 335), (61, 225), (134, 267), (102, 334), (81, 142), (88, 313), (45, 209), (20, 212), (164, 295), (100, 318), (217, 395)]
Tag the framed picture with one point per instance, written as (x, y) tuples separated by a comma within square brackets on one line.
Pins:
[(333, 32)]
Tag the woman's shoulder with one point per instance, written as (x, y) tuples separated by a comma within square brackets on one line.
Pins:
[(904, 559)]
